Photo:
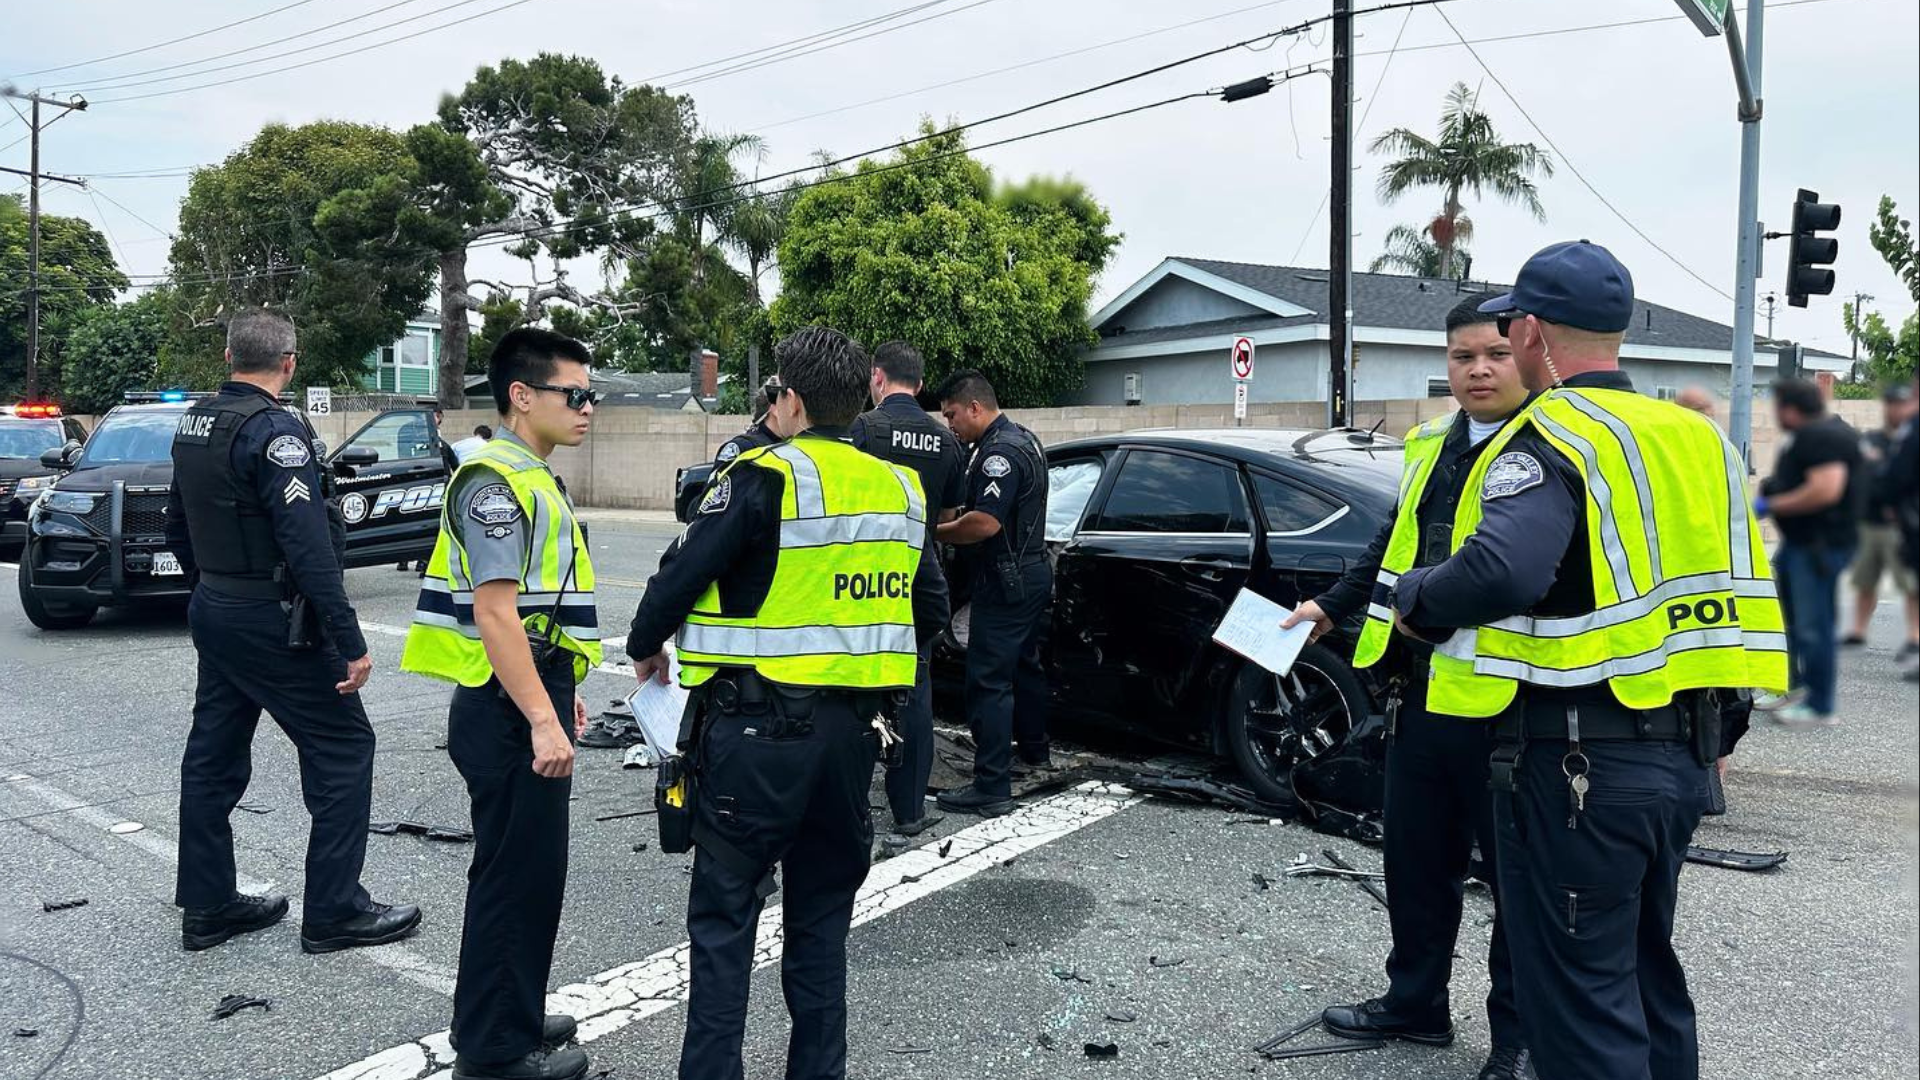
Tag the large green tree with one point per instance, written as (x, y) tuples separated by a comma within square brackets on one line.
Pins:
[(1467, 157), (111, 350), (1892, 354), (924, 247), (77, 274), (552, 159), (317, 220)]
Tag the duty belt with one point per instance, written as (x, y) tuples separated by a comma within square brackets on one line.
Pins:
[(245, 588), (1527, 721)]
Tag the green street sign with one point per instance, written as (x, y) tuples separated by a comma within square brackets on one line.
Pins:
[(1710, 16)]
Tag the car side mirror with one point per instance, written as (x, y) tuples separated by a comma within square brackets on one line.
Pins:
[(62, 457), (357, 456)]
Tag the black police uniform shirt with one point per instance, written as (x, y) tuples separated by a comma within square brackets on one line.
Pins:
[(734, 540), (274, 459), (756, 436), (491, 523), (1439, 501), (1002, 468), (1827, 441), (918, 443)]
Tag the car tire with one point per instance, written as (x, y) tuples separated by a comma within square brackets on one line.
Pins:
[(49, 616), (1273, 724)]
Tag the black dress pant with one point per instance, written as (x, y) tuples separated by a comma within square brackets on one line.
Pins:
[(907, 782), (800, 802), (1006, 684), (519, 874), (1437, 806), (244, 667), (1589, 909)]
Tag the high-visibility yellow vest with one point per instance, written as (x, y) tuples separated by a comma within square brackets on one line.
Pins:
[(1684, 599), (839, 611), (444, 640), (1423, 445)]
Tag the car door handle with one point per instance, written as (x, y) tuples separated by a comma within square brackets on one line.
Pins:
[(1206, 567)]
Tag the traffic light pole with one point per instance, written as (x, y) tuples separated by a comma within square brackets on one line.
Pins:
[(1746, 67)]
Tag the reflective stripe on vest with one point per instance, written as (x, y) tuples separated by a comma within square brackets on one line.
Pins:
[(1683, 598), (444, 640), (839, 610), (1423, 445)]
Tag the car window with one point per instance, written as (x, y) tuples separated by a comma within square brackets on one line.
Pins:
[(125, 437), (1069, 486), (397, 436), (28, 439), (1290, 508), (1162, 493)]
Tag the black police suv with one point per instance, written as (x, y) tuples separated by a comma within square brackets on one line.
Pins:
[(1153, 534), (96, 537), (27, 432)]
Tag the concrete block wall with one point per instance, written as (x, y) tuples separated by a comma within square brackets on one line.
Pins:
[(630, 460)]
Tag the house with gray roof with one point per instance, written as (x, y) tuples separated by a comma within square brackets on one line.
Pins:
[(1167, 339)]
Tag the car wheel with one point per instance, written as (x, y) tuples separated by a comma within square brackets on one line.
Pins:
[(50, 616), (1275, 723)]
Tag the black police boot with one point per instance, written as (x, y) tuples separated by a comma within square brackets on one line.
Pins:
[(971, 800), (918, 825), (1373, 1019), (1506, 1063), (556, 1031), (203, 928), (542, 1064), (380, 926)]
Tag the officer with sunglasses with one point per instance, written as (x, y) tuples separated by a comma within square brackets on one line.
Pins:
[(759, 434)]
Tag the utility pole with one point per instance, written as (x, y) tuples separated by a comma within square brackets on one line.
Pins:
[(33, 224), (1859, 312), (1746, 57), (1340, 224)]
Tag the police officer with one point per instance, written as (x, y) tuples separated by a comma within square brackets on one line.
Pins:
[(1606, 575), (799, 592), (758, 434), (1004, 555), (248, 519), (1437, 804), (897, 429), (506, 613)]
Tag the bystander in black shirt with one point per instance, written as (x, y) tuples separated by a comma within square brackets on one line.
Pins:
[(1822, 442)]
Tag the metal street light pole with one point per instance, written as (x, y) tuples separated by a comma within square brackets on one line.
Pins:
[(1746, 74)]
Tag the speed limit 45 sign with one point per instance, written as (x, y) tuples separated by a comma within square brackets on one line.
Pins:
[(1242, 358)]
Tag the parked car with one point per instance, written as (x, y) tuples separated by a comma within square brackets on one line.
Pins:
[(96, 536), (1153, 534), (28, 431)]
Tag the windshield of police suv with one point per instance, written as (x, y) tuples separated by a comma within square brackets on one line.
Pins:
[(125, 437), (28, 439)]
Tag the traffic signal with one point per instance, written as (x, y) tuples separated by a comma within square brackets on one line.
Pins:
[(1810, 255)]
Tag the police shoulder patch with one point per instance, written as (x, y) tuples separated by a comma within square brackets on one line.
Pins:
[(1510, 474), (728, 451), (996, 465), (494, 504), (289, 451), (718, 496)]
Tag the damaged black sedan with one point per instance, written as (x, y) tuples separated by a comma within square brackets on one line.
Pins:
[(1153, 534)]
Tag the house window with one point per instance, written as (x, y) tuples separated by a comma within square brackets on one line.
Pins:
[(1437, 387), (1668, 393)]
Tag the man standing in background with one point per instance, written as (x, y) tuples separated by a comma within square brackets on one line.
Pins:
[(1813, 497), (1879, 531)]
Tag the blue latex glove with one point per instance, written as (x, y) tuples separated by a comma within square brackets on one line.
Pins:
[(1759, 506)]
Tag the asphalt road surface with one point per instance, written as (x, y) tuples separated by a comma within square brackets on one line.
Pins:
[(1091, 916)]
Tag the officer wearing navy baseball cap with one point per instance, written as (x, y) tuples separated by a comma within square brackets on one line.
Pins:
[(1587, 612)]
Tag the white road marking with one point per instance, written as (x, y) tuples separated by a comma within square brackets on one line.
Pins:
[(402, 961), (9, 565), (627, 994)]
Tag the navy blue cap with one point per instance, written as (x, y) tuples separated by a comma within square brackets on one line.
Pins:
[(1576, 283)]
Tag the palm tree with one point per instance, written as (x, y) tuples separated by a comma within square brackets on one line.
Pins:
[(706, 190), (1468, 157), (1415, 251), (755, 228)]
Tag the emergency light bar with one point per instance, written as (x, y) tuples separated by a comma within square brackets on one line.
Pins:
[(37, 410)]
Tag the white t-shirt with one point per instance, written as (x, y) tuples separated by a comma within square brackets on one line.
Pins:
[(466, 447)]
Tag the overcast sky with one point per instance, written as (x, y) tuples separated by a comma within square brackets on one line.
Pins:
[(1645, 112)]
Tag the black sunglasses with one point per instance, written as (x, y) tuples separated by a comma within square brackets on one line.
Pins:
[(1504, 323), (578, 397)]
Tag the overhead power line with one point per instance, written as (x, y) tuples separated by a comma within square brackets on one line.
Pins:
[(818, 35), (1575, 169), (792, 54), (162, 44)]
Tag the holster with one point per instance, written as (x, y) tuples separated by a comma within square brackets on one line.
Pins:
[(1504, 770), (1007, 569), (303, 626), (1703, 708)]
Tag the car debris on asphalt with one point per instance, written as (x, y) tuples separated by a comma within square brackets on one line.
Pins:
[(1276, 1048), (233, 1003), (63, 905), (1751, 861), (446, 834)]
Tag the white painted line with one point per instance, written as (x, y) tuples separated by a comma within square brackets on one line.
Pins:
[(10, 565), (627, 994), (402, 961)]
